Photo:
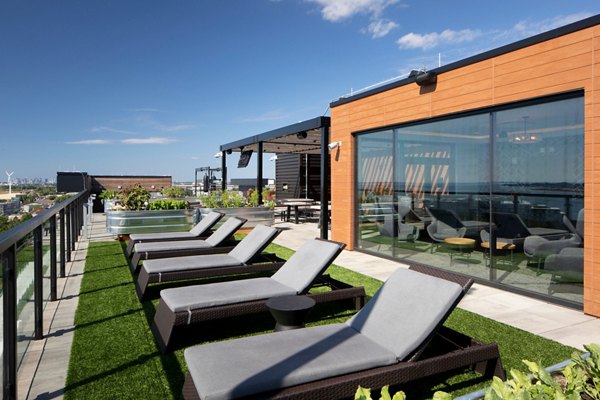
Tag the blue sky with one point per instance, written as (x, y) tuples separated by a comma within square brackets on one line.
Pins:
[(154, 87)]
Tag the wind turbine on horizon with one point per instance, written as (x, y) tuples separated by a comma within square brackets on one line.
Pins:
[(9, 182)]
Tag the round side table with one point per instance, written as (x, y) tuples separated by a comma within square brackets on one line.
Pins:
[(290, 311)]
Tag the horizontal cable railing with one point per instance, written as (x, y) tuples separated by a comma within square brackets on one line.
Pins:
[(68, 218)]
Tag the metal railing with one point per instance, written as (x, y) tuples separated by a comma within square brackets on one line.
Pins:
[(68, 217)]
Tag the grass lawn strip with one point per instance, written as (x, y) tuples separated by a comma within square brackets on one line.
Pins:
[(114, 354)]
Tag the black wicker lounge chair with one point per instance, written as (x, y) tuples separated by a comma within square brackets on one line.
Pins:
[(179, 308), (396, 338), (200, 231), (219, 242), (245, 258)]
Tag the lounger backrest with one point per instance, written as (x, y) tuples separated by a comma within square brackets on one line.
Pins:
[(510, 226), (406, 310), (305, 265), (225, 231), (447, 217), (254, 243), (206, 223)]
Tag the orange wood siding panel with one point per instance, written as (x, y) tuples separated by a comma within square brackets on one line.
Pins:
[(570, 62)]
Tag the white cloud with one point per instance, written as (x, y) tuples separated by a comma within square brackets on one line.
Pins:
[(111, 130), (381, 28), (526, 28), (92, 141), (434, 39), (150, 140), (154, 110), (176, 128), (337, 10)]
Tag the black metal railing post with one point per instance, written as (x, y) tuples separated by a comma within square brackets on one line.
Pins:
[(38, 283), (63, 256), (68, 228), (73, 211), (9, 330), (53, 295)]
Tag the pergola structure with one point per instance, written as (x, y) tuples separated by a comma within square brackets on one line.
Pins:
[(307, 137)]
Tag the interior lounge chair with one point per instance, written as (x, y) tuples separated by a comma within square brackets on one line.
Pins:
[(396, 338), (540, 247), (566, 266), (185, 306), (218, 242), (449, 218), (511, 228), (246, 257), (201, 230)]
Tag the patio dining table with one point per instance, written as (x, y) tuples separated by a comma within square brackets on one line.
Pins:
[(295, 203)]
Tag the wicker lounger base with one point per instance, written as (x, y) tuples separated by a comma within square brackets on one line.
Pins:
[(166, 321), (152, 255), (264, 263), (449, 351)]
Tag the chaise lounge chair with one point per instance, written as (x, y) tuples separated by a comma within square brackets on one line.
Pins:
[(181, 307), (246, 257), (511, 228), (396, 338), (201, 230), (218, 242)]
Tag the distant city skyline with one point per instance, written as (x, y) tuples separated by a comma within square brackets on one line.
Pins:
[(154, 88)]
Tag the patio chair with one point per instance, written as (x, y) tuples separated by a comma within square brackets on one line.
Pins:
[(186, 306), (452, 220), (246, 257), (218, 242), (539, 247), (396, 338), (511, 228), (201, 230), (566, 266)]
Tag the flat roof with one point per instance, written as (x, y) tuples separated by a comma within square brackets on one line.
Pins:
[(301, 138), (542, 37)]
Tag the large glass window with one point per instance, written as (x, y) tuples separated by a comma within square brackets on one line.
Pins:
[(443, 192)]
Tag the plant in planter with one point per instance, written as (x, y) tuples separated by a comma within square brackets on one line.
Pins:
[(173, 192), (135, 198), (108, 195), (168, 204)]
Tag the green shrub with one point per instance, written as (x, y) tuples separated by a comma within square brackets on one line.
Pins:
[(168, 204), (135, 198), (108, 195), (173, 192)]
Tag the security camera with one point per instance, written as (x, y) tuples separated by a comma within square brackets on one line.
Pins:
[(333, 145)]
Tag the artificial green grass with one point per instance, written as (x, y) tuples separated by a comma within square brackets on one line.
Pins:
[(114, 354)]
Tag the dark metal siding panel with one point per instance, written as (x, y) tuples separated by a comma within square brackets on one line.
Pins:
[(288, 170)]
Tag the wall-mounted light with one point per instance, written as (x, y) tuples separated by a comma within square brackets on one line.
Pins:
[(218, 155), (301, 135), (152, 187), (119, 187), (334, 145), (273, 158), (229, 151), (423, 78)]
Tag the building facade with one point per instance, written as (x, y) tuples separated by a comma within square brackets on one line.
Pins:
[(499, 148)]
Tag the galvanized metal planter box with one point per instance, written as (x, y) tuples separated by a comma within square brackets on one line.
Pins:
[(147, 221), (254, 215)]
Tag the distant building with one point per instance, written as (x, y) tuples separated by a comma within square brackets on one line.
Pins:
[(10, 207)]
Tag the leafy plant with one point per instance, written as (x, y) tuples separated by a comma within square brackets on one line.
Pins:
[(173, 192), (581, 376), (135, 198), (365, 394), (168, 204), (108, 195)]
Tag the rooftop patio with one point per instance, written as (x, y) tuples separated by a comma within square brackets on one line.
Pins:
[(44, 369)]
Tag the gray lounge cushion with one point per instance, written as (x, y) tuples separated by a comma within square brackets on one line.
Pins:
[(205, 223), (257, 239), (221, 293), (198, 230), (173, 264), (175, 245), (225, 231), (406, 309), (306, 264), (246, 366)]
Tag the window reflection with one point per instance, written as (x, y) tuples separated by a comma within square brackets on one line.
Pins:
[(443, 192)]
